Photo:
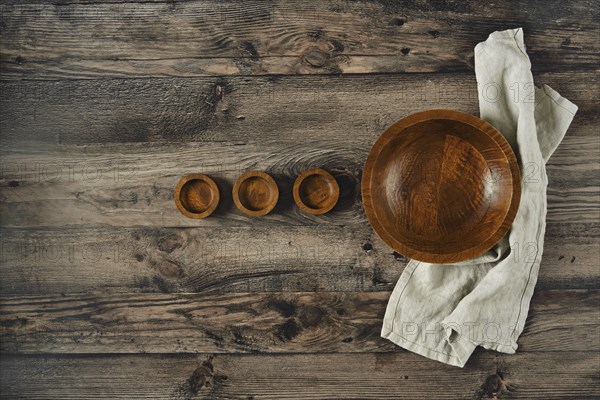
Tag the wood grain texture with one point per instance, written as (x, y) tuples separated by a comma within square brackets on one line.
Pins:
[(124, 39), (296, 109), (104, 260), (559, 320), (400, 375)]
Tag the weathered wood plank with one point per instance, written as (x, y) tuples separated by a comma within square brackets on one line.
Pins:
[(132, 184), (294, 109), (248, 259), (560, 320), (399, 375), (80, 40)]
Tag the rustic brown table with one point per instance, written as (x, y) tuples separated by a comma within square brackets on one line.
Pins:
[(108, 291)]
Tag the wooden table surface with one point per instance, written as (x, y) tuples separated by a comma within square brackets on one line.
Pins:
[(109, 292)]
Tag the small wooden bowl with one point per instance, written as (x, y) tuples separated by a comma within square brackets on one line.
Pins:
[(196, 196), (316, 191), (255, 193), (441, 186)]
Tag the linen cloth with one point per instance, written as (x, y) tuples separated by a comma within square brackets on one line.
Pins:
[(445, 311)]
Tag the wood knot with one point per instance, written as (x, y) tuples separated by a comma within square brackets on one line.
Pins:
[(311, 316), (170, 270), (289, 330), (249, 49), (202, 376), (493, 386), (337, 46), (324, 55), (169, 243), (315, 57), (316, 34)]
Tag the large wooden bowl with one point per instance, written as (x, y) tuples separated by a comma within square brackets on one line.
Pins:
[(441, 186)]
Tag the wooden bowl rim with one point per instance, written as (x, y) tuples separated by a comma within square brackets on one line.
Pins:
[(330, 179), (455, 115), (270, 181), (213, 187)]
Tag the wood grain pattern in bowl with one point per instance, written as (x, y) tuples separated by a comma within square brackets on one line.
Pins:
[(255, 193), (196, 196), (316, 191), (441, 186)]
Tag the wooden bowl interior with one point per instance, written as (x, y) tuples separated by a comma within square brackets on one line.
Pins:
[(255, 193), (440, 187), (196, 196), (316, 191)]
